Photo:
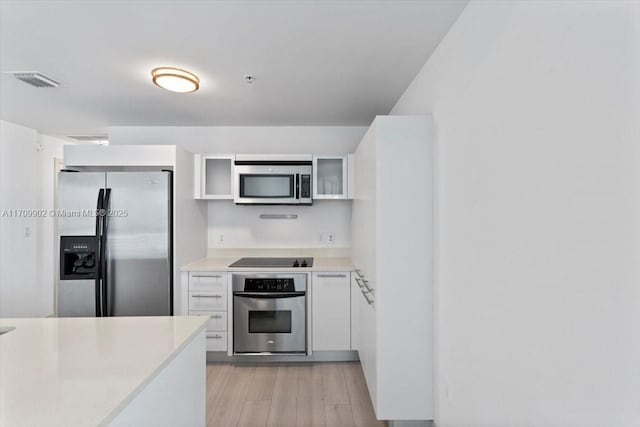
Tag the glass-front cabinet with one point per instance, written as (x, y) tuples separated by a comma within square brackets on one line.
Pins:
[(214, 176), (330, 177)]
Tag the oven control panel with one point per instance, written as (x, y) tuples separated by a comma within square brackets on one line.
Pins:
[(255, 284)]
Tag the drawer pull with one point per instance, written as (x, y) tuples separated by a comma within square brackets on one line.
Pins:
[(206, 296), (364, 294), (359, 273), (215, 276), (358, 281), (369, 301), (216, 316), (217, 337), (332, 275)]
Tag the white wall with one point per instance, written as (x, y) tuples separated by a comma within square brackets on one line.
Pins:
[(244, 139), (241, 225), (537, 111), (50, 149), (19, 286), (243, 228), (26, 180)]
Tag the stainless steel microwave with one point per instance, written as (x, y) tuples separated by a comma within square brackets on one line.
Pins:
[(272, 182)]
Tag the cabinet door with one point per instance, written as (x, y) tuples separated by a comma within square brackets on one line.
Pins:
[(355, 312), (216, 176), (367, 347), (330, 177), (331, 311)]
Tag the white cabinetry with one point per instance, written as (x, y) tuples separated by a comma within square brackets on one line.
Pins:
[(214, 176), (355, 312), (330, 177), (331, 311), (392, 250), (206, 295)]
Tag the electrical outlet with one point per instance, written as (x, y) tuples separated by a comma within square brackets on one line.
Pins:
[(331, 238), (321, 238)]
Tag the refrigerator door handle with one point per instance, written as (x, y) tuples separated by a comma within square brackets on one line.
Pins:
[(98, 290), (104, 214)]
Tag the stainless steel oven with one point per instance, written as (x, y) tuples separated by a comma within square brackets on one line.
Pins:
[(272, 182), (269, 313)]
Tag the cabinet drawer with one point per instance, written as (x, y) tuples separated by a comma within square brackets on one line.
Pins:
[(208, 281), (217, 319), (216, 341), (208, 301)]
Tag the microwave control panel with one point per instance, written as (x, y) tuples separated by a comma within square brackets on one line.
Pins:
[(305, 187)]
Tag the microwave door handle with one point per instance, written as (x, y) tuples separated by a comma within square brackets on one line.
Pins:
[(297, 186)]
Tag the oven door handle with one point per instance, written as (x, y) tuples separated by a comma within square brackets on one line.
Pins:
[(269, 295)]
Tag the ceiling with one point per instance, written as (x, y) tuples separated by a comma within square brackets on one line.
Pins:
[(315, 62)]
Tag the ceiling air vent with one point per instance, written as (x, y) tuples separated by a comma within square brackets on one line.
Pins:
[(34, 78)]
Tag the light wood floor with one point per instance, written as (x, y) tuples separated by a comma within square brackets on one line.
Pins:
[(296, 394)]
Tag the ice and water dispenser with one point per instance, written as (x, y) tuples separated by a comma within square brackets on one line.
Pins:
[(78, 257)]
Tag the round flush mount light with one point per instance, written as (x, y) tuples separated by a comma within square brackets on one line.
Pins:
[(175, 79)]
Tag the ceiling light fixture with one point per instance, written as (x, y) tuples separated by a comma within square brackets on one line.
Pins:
[(175, 79)]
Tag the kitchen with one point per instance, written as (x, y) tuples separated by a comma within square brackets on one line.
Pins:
[(341, 228)]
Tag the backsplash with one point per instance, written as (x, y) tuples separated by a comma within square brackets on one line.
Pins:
[(236, 226)]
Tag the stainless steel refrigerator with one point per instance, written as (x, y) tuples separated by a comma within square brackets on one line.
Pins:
[(115, 236)]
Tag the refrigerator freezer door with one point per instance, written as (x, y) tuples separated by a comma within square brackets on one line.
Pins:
[(139, 244), (77, 198)]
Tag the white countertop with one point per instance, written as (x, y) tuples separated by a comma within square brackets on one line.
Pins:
[(83, 371), (222, 264)]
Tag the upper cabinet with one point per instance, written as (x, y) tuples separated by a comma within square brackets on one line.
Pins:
[(330, 177), (214, 176), (333, 177)]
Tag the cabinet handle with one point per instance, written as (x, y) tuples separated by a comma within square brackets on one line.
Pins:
[(331, 275), (206, 296), (364, 294), (213, 316), (366, 285), (217, 337), (215, 276)]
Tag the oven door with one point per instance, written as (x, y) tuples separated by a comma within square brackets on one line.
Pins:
[(269, 323)]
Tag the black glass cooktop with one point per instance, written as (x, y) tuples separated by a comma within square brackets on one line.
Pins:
[(271, 262)]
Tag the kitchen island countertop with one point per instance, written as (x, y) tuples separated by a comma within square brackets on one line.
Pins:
[(83, 371)]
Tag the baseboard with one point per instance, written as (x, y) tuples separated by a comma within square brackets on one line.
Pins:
[(410, 423), (317, 356)]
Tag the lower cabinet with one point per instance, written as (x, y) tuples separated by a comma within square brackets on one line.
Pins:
[(367, 345), (331, 311), (355, 312), (207, 296), (334, 317), (216, 341)]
